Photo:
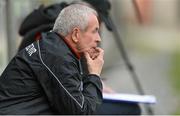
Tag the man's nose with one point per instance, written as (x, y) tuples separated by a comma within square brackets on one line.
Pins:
[(98, 38)]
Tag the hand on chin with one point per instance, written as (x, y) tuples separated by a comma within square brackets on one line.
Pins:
[(93, 52)]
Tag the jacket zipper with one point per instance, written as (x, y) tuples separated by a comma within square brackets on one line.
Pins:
[(81, 73)]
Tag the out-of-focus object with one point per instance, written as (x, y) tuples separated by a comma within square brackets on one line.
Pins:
[(102, 7), (129, 98), (41, 16), (142, 10)]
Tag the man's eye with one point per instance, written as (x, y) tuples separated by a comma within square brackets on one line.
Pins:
[(96, 30)]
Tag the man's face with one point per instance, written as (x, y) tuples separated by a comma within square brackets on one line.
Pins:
[(90, 38)]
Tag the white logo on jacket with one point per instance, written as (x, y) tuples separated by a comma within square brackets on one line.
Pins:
[(30, 49)]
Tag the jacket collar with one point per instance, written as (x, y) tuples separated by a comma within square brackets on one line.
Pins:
[(78, 56)]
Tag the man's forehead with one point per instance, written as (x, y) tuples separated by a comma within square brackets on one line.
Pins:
[(93, 19)]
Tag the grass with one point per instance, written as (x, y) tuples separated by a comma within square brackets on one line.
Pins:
[(175, 76), (175, 71)]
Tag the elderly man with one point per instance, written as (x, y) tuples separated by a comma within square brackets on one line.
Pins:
[(47, 77)]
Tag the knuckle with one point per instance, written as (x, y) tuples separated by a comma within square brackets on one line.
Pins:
[(101, 60)]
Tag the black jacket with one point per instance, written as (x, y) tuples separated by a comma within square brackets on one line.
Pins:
[(47, 78)]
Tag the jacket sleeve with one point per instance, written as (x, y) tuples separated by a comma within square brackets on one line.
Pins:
[(67, 92)]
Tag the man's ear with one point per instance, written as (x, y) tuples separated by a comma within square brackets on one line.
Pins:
[(75, 35)]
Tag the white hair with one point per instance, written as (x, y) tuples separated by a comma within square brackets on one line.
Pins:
[(75, 15)]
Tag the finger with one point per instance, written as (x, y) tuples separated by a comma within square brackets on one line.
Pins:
[(87, 56), (100, 51), (95, 55)]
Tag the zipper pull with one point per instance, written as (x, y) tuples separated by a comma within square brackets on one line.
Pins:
[(81, 86), (80, 67)]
